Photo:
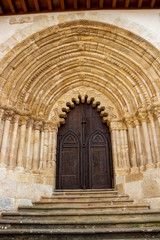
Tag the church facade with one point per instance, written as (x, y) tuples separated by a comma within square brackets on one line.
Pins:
[(51, 65)]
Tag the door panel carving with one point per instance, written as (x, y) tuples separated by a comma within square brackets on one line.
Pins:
[(84, 151)]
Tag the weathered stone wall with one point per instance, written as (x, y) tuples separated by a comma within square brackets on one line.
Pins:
[(14, 29), (49, 72)]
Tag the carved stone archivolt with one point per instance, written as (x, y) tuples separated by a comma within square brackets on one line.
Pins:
[(43, 77)]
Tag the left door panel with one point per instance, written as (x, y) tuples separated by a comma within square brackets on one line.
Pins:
[(69, 165)]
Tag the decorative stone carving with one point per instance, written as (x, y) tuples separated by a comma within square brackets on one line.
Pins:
[(38, 125), (142, 114), (8, 115), (116, 125), (128, 119), (83, 93), (23, 120)]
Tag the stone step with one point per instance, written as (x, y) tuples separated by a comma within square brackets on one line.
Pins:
[(80, 208), (85, 191), (79, 234), (89, 194), (83, 216), (82, 203), (84, 197), (43, 224)]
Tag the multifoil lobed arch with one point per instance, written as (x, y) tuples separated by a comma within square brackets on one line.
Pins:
[(48, 64), (103, 105)]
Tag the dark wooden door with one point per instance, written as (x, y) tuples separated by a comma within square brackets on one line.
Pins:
[(84, 158)]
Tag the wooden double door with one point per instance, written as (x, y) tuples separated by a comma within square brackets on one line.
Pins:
[(84, 158)]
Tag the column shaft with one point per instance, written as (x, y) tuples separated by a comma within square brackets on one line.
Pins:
[(132, 150), (155, 140), (147, 145), (20, 164), (114, 148), (41, 149), (4, 142), (139, 143), (126, 149), (28, 145), (36, 148), (12, 155)]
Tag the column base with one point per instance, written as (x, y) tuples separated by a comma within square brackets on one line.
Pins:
[(142, 168), (158, 165), (42, 165), (19, 169), (3, 166), (134, 170), (150, 166)]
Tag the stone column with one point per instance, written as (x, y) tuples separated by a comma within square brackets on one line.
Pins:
[(7, 120), (155, 140), (123, 154), (28, 144), (49, 162), (36, 145), (131, 142), (12, 155), (41, 147), (45, 147), (118, 148), (54, 130), (142, 116), (114, 148), (1, 124), (127, 164), (139, 144), (20, 164)]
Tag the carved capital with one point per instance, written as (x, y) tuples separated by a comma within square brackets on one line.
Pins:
[(156, 110), (142, 114), (128, 121), (116, 125), (30, 122), (8, 115), (50, 126), (23, 120), (136, 122), (16, 118), (46, 127), (150, 116), (54, 128), (38, 125), (1, 113)]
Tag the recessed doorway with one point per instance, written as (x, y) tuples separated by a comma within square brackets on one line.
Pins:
[(84, 158)]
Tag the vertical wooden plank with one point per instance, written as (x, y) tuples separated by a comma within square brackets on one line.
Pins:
[(140, 3), (11, 6), (101, 2), (114, 3), (62, 4), (24, 6), (127, 3), (88, 4), (36, 3), (153, 3), (1, 9), (50, 5), (75, 4)]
